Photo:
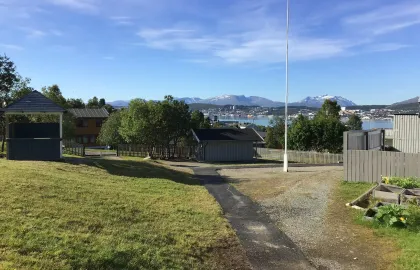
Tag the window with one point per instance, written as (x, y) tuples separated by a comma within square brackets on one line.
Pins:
[(79, 139), (98, 122), (92, 138), (82, 123), (86, 139)]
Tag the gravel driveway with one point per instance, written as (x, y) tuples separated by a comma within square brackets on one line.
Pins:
[(298, 202)]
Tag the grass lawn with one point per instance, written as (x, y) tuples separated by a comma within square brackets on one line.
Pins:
[(110, 214), (407, 242)]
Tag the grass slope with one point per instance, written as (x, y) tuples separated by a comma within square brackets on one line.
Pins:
[(407, 241), (109, 215)]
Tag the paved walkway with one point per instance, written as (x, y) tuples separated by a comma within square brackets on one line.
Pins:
[(265, 245)]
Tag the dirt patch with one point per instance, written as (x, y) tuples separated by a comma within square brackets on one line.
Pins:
[(306, 206)]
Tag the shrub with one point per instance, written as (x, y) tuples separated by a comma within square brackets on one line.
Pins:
[(408, 182), (413, 219), (392, 215)]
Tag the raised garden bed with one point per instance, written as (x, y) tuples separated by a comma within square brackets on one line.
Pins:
[(388, 193)]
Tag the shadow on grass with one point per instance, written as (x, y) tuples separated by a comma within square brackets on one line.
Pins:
[(136, 169)]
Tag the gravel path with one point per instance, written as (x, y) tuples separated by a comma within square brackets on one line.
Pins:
[(298, 202)]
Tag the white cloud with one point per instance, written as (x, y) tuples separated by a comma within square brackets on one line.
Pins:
[(83, 5), (122, 20), (11, 47), (385, 19), (386, 47)]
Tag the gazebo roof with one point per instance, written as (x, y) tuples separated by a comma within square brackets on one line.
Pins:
[(34, 102)]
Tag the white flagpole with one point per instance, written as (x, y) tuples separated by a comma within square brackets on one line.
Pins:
[(285, 159)]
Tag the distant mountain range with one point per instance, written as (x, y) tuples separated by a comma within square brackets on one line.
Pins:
[(315, 102)]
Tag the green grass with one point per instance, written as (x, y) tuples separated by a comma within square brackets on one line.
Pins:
[(108, 215), (407, 241)]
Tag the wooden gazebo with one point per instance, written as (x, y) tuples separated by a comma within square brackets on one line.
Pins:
[(34, 141)]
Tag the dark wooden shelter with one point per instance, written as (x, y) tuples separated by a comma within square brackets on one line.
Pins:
[(34, 141)]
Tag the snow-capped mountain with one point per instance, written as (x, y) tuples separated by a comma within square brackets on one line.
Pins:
[(188, 100), (319, 100), (241, 100), (253, 101)]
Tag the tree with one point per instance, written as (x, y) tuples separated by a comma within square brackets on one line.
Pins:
[(53, 92), (138, 124), (199, 121), (8, 79), (110, 134), (109, 108), (328, 135), (75, 103), (354, 122), (101, 102), (93, 103), (330, 109), (300, 134), (275, 133)]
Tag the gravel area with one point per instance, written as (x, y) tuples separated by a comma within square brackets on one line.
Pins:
[(300, 203)]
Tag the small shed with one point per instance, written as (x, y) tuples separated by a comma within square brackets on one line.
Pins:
[(226, 144), (34, 141)]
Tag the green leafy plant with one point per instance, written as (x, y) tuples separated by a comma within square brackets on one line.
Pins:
[(404, 182), (393, 215), (413, 219)]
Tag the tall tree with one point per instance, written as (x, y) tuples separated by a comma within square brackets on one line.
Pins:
[(300, 134), (330, 109), (110, 134), (53, 92), (101, 103), (199, 121), (275, 133), (76, 103), (93, 103), (138, 124), (8, 79), (355, 122), (328, 135), (109, 108)]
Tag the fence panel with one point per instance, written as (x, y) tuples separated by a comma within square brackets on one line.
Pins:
[(73, 148), (369, 166), (136, 150), (299, 156)]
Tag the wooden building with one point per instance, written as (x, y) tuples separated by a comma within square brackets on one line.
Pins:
[(88, 124)]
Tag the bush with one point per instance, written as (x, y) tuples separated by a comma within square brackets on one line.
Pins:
[(392, 215), (408, 182), (413, 219)]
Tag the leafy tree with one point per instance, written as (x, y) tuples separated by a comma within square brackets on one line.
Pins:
[(93, 103), (261, 128), (109, 108), (330, 109), (75, 103), (8, 79), (54, 93), (300, 134), (199, 121), (275, 133), (138, 124), (328, 135), (355, 122), (101, 102), (110, 134)]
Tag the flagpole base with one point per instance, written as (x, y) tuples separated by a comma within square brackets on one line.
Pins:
[(285, 163)]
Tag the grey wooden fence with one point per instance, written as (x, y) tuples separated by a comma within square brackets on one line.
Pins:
[(299, 156), (73, 148), (136, 150), (370, 166)]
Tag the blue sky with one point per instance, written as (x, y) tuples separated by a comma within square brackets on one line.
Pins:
[(364, 50)]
